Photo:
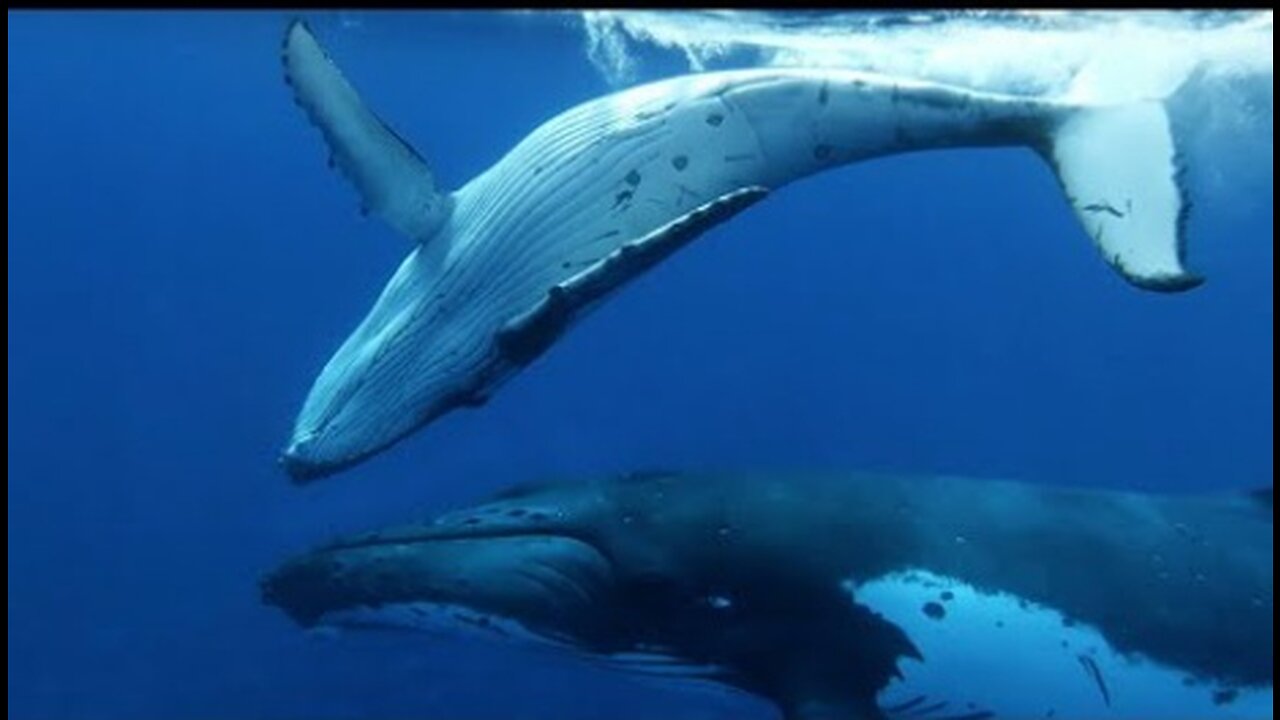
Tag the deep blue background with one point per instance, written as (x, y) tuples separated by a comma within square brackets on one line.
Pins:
[(181, 264)]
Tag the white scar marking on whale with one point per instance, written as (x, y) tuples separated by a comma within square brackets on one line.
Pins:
[(1018, 658)]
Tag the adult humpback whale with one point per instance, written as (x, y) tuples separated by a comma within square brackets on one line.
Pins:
[(595, 196), (844, 595)]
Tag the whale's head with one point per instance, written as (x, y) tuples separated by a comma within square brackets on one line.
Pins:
[(419, 353), (539, 586), (513, 569), (632, 572)]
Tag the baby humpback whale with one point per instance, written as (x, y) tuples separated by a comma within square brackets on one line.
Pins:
[(502, 266), (846, 595)]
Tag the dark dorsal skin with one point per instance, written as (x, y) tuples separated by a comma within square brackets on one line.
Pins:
[(1182, 580)]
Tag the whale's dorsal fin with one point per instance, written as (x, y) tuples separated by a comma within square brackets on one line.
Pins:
[(393, 180)]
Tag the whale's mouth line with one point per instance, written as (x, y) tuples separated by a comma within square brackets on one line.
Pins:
[(441, 619)]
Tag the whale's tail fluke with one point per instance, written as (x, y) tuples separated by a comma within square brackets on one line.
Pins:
[(1123, 176), (393, 180)]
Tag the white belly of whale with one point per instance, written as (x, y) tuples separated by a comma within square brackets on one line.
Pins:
[(1001, 654)]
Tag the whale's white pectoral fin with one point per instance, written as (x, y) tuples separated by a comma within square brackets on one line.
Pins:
[(1121, 173), (393, 180)]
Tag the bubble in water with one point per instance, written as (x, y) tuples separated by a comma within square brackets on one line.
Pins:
[(1005, 51), (1214, 67), (719, 602)]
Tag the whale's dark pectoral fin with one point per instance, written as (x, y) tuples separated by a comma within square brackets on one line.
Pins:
[(1123, 177), (393, 180), (527, 336)]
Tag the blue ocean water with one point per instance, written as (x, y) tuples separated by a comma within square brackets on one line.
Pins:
[(181, 264)]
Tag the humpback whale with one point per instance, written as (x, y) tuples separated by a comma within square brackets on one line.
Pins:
[(501, 267), (845, 595)]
